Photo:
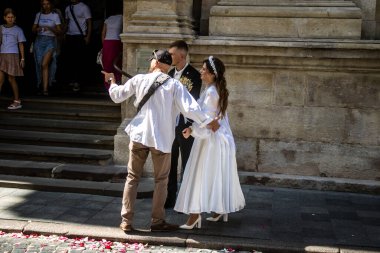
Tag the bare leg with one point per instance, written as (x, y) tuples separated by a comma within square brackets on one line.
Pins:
[(1, 79), (45, 70), (16, 104), (12, 81), (192, 218)]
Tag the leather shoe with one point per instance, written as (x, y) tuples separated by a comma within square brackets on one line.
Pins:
[(163, 227), (126, 227)]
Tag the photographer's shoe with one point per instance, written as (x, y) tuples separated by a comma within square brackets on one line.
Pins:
[(126, 227), (163, 227)]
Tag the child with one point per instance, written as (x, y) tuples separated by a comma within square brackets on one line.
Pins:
[(12, 38)]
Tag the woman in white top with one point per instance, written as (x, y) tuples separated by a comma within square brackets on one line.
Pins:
[(112, 46), (11, 54), (210, 182), (47, 25)]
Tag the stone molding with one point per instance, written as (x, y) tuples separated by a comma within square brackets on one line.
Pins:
[(312, 3), (286, 19), (287, 12), (331, 55)]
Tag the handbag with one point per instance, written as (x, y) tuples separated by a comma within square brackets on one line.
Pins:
[(99, 57)]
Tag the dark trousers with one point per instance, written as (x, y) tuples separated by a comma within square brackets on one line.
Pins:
[(182, 145), (74, 54)]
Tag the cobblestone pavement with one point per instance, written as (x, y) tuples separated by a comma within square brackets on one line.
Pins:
[(274, 219), (21, 243)]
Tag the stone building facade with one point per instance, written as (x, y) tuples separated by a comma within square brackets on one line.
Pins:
[(303, 75)]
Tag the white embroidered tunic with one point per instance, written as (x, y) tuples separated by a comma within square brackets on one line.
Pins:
[(154, 125)]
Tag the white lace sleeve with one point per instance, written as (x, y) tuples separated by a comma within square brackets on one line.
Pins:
[(210, 107)]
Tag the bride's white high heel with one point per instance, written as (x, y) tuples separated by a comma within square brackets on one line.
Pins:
[(215, 219), (197, 224)]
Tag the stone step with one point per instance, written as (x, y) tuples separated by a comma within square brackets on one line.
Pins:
[(56, 139), (105, 173), (60, 138), (66, 108), (72, 103), (58, 125), (55, 154), (62, 113), (310, 182), (144, 190)]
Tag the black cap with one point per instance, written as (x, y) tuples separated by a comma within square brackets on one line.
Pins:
[(162, 56)]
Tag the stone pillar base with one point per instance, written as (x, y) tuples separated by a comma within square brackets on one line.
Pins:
[(121, 142), (161, 17)]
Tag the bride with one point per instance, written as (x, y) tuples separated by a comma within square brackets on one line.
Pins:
[(210, 182)]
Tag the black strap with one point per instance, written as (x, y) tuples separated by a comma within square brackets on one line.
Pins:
[(75, 19), (157, 83)]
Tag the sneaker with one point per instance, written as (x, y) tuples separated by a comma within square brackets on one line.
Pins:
[(163, 227), (15, 105), (126, 227)]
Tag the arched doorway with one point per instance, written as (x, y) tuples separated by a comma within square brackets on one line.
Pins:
[(26, 11)]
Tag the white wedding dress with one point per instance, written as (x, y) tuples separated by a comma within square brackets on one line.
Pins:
[(210, 182)]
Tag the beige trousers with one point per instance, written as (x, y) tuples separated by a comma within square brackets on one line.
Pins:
[(138, 153)]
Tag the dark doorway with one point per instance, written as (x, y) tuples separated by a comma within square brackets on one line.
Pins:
[(26, 12)]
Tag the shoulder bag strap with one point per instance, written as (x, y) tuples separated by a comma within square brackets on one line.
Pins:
[(157, 83), (75, 19)]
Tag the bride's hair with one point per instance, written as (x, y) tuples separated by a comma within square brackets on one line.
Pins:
[(216, 67)]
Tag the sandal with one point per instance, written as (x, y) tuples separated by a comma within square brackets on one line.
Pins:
[(15, 105)]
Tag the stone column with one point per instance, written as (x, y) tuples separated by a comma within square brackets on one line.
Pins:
[(371, 18), (312, 19), (205, 15), (169, 17), (377, 20)]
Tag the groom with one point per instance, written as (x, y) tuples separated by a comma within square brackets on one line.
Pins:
[(191, 79)]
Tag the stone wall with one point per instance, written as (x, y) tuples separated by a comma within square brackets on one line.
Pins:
[(303, 108), (298, 107)]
